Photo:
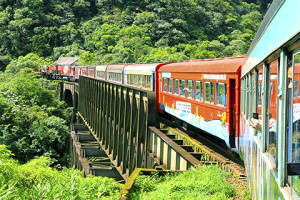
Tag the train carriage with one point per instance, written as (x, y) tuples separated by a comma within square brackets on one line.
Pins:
[(204, 94), (101, 72), (115, 73), (141, 75), (91, 71), (80, 71), (270, 106)]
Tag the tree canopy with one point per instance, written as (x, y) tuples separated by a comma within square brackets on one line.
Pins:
[(115, 31)]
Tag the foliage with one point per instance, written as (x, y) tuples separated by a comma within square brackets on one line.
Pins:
[(33, 122), (36, 179), (124, 31), (205, 182), (31, 61)]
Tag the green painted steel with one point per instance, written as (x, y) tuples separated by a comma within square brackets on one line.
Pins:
[(118, 116)]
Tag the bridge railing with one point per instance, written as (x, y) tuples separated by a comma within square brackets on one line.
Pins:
[(118, 116)]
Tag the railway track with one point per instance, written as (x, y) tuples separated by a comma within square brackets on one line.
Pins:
[(206, 150)]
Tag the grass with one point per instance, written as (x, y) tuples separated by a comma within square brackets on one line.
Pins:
[(36, 180), (205, 182)]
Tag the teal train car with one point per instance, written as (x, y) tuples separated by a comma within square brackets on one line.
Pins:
[(270, 105)]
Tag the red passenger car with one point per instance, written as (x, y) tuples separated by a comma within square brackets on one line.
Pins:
[(204, 94)]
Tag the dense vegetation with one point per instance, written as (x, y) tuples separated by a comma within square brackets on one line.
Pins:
[(32, 121), (36, 180), (114, 31), (206, 182)]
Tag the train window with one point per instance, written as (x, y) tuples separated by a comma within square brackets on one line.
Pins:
[(165, 86), (272, 110), (199, 90), (254, 108), (298, 91), (143, 81), (209, 92), (131, 79), (182, 88), (247, 96), (221, 94), (135, 80), (294, 120), (128, 79), (295, 88), (170, 85), (259, 98), (139, 80), (190, 91), (149, 81), (175, 90)]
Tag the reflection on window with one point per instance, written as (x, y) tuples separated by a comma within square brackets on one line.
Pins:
[(143, 81), (199, 90), (175, 90), (135, 80), (254, 110), (170, 85), (190, 91), (100, 74), (149, 81), (182, 88), (209, 92), (294, 152), (131, 79), (259, 97), (221, 94), (296, 82), (272, 107), (165, 86)]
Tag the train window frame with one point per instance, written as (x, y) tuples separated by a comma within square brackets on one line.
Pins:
[(292, 121), (182, 89), (200, 91), (211, 92), (217, 94), (170, 88), (176, 88), (270, 88), (190, 90)]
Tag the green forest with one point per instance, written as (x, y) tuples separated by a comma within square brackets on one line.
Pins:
[(128, 31), (34, 125)]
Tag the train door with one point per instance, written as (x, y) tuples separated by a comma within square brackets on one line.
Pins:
[(232, 111)]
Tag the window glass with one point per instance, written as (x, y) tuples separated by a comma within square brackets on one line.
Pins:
[(272, 110), (294, 154), (254, 109), (170, 85), (259, 97), (221, 94), (182, 88), (295, 88), (143, 81), (165, 86), (175, 90), (209, 92), (199, 90), (135, 80), (190, 91), (139, 80), (149, 81)]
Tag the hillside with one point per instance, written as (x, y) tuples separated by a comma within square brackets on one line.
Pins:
[(115, 31)]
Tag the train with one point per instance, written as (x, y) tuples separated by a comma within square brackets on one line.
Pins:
[(201, 93), (251, 102)]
